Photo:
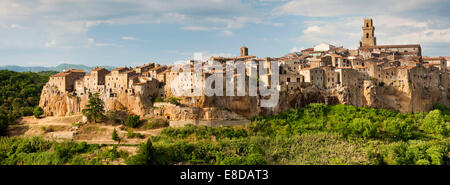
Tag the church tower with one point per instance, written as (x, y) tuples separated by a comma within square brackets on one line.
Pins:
[(244, 51), (368, 38)]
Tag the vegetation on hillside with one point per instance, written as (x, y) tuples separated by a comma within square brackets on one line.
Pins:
[(19, 94), (315, 134), (37, 151)]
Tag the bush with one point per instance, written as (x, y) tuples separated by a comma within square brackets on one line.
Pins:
[(156, 123), (434, 123), (252, 159), (133, 121), (363, 127), (398, 128), (175, 101), (143, 156), (115, 136), (415, 153), (3, 124), (38, 111), (158, 99)]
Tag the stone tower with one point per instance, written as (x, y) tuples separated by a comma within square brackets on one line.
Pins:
[(368, 38), (244, 51)]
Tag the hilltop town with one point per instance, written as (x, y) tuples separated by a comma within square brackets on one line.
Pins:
[(381, 76)]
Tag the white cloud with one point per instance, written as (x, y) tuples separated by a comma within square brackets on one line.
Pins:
[(329, 8), (199, 28), (128, 38), (66, 22), (295, 49), (227, 32), (17, 26)]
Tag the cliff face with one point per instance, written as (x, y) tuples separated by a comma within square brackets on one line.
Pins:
[(57, 103), (369, 94), (404, 98)]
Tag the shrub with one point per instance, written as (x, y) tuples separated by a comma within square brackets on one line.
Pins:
[(363, 127), (252, 159), (38, 111), (175, 101), (415, 153), (158, 99), (115, 136), (156, 123), (434, 123), (398, 128), (143, 156), (133, 121), (3, 124)]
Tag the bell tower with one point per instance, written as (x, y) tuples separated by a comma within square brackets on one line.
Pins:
[(368, 38), (244, 51)]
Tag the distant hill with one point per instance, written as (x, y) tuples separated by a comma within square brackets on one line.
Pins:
[(57, 68)]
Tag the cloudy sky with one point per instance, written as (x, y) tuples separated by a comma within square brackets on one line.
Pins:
[(133, 32)]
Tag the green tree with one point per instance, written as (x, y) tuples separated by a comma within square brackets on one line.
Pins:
[(363, 127), (115, 136), (398, 128), (3, 124), (434, 123), (133, 121), (143, 156), (38, 111), (94, 110)]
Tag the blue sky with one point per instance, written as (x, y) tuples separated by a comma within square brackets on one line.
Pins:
[(134, 32)]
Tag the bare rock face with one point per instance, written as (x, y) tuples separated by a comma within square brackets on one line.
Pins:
[(57, 103)]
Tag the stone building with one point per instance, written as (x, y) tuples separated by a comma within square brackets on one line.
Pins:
[(65, 80), (314, 76)]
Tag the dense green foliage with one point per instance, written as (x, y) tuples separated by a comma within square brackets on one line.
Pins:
[(174, 100), (36, 151), (19, 94), (94, 110), (314, 134), (38, 111), (115, 136), (133, 121)]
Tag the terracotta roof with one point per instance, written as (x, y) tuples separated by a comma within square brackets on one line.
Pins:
[(335, 55), (65, 73), (433, 58), (120, 68), (405, 67)]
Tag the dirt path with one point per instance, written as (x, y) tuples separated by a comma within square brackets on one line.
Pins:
[(68, 128)]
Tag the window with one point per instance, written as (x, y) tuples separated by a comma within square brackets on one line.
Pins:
[(367, 35)]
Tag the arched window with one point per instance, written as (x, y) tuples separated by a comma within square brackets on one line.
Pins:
[(367, 35), (367, 24)]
